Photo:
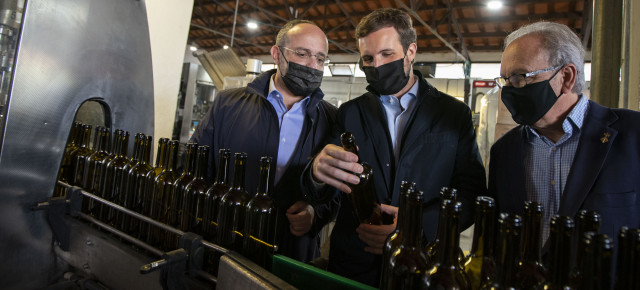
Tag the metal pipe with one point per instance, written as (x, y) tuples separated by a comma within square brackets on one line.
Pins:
[(606, 52)]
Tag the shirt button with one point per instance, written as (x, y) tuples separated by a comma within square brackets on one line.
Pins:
[(554, 148), (387, 164), (553, 182), (283, 139)]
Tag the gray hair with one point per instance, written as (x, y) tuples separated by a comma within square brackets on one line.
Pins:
[(561, 42), (281, 38)]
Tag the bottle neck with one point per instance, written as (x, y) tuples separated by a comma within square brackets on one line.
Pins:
[(402, 212), (203, 161), (411, 226), (190, 162), (532, 238), (483, 233), (86, 136), (560, 251), (263, 181), (238, 173), (173, 156), (162, 152), (145, 152), (448, 246), (222, 175), (103, 141)]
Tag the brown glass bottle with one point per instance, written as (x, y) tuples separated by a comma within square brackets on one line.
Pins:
[(394, 240), (151, 202), (363, 196), (431, 249), (81, 155), (560, 238), (447, 273), (596, 262), (65, 174), (507, 252), (480, 265), (176, 197), (259, 226), (232, 208), (532, 272), (113, 177), (95, 169), (586, 221), (164, 185), (195, 194), (408, 264), (214, 194), (125, 197), (136, 187)]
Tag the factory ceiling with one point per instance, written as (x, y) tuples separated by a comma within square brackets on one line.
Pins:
[(459, 26)]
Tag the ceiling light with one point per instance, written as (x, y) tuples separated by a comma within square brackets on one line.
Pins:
[(225, 46), (493, 5), (193, 48), (252, 25)]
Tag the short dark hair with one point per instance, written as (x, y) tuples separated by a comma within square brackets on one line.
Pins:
[(388, 17), (282, 39)]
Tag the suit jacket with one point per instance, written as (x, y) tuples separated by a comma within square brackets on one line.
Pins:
[(438, 149), (243, 120), (604, 176)]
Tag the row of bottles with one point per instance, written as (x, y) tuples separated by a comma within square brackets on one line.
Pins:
[(221, 212), (506, 250)]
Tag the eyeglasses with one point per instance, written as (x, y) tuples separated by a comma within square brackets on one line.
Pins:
[(305, 54), (521, 80)]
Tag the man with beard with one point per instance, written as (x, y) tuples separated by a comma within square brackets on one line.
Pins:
[(280, 114), (407, 131), (569, 153)]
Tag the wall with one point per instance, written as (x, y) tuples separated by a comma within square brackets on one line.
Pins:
[(168, 29)]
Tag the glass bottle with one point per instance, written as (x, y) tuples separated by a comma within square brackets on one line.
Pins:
[(176, 197), (394, 240), (432, 247), (81, 155), (232, 208), (560, 238), (624, 278), (447, 273), (65, 174), (408, 264), (136, 187), (114, 174), (164, 184), (532, 272), (587, 221), (507, 252), (214, 194), (151, 202), (364, 199), (596, 262), (480, 265), (259, 226), (195, 194), (95, 168), (125, 198)]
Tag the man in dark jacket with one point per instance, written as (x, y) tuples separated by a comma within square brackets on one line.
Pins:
[(280, 114), (407, 131)]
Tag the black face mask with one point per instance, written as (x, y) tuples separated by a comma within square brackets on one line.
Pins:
[(301, 80), (529, 103), (388, 78)]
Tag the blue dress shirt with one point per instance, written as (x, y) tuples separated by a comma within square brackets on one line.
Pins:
[(291, 122), (398, 112), (547, 164)]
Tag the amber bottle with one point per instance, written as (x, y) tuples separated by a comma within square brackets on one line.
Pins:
[(587, 221), (480, 265), (507, 252), (195, 194), (394, 240), (408, 264), (532, 272), (233, 208), (560, 238), (259, 226), (431, 249), (136, 187), (114, 175)]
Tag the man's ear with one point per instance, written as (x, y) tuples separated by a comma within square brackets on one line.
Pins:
[(275, 54), (569, 77)]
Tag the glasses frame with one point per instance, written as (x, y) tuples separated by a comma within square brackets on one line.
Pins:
[(307, 55), (502, 81)]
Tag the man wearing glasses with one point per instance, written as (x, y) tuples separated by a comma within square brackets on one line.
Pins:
[(279, 114), (569, 153)]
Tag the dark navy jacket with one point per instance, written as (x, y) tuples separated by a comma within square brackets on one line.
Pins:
[(438, 149), (243, 120), (604, 176)]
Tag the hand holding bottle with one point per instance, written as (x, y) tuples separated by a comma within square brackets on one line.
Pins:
[(375, 235), (300, 215), (334, 165)]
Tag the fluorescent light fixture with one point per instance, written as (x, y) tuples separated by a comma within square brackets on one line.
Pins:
[(341, 69), (225, 47), (252, 25), (493, 5), (193, 48)]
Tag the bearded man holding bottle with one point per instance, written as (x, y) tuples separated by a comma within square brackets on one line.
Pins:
[(280, 114), (407, 131)]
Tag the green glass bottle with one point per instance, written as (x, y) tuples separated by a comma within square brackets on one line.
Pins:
[(114, 175), (532, 273), (95, 168), (125, 197), (136, 187), (560, 238), (164, 184), (480, 265), (232, 210), (259, 226), (431, 249), (507, 252), (151, 202), (65, 174), (214, 195), (195, 194), (596, 262), (81, 155)]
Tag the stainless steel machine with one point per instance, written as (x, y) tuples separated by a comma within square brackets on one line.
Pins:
[(55, 56)]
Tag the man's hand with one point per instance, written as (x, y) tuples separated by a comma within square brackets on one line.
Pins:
[(334, 165), (301, 216), (375, 235)]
